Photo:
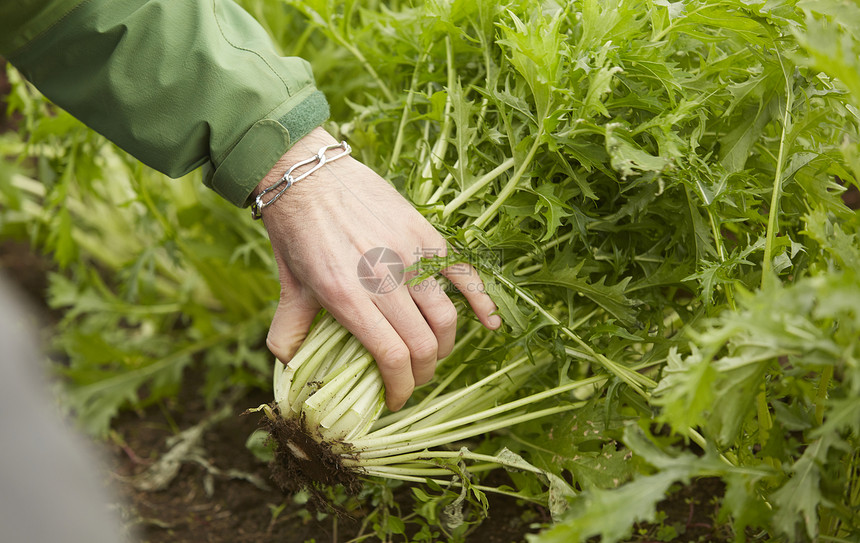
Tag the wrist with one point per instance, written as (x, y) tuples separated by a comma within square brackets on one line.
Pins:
[(300, 150)]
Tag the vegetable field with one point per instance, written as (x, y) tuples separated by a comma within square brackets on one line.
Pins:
[(661, 198)]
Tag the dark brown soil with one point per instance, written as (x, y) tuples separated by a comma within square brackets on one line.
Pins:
[(238, 511), (235, 511), (689, 515), (851, 197)]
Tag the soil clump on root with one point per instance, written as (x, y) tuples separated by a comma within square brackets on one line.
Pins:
[(303, 463)]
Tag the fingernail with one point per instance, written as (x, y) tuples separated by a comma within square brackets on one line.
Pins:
[(494, 321)]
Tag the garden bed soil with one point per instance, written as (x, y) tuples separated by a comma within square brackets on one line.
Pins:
[(237, 511)]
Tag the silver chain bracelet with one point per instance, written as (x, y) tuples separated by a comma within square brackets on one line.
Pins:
[(288, 180)]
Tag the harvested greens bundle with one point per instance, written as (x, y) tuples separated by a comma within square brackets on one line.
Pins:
[(330, 395)]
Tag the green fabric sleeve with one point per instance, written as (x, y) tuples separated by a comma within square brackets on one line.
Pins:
[(178, 84)]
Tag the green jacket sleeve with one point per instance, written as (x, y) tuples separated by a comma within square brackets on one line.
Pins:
[(176, 83)]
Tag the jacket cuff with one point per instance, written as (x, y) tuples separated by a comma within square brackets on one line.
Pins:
[(237, 175)]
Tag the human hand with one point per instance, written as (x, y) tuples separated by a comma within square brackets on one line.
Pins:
[(320, 229)]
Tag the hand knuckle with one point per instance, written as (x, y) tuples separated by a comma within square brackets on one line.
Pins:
[(424, 348), (447, 317), (393, 357)]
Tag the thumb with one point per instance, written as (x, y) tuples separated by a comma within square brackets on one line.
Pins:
[(293, 317)]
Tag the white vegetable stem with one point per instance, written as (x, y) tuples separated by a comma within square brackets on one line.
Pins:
[(333, 388)]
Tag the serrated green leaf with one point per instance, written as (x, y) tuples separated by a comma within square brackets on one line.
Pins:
[(628, 159), (797, 500), (686, 391), (611, 298)]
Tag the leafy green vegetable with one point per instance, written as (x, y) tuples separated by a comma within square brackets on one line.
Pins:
[(667, 161)]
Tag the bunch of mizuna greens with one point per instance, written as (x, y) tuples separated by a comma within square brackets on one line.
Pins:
[(652, 192)]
